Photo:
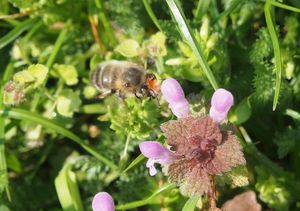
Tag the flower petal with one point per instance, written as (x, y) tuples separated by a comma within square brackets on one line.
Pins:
[(180, 109), (152, 149), (172, 91), (216, 115), (103, 201), (222, 100)]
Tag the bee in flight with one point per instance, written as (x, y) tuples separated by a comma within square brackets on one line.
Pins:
[(124, 78)]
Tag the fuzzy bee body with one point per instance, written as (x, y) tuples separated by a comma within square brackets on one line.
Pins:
[(124, 78)]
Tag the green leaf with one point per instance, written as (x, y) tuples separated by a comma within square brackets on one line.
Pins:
[(16, 32), (277, 52), (38, 119), (4, 7), (68, 73), (191, 203), (134, 163), (67, 103), (67, 190), (241, 113), (156, 45), (13, 162), (187, 34), (39, 73), (237, 177), (128, 48), (23, 77)]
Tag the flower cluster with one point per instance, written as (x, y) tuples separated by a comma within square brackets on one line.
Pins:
[(199, 148)]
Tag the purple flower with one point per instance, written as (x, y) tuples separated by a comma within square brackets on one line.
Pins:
[(172, 91), (103, 201), (180, 109), (174, 95), (221, 102), (156, 154)]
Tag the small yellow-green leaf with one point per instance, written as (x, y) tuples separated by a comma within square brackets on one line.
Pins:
[(67, 103), (157, 45), (23, 77), (39, 73), (128, 48), (68, 73)]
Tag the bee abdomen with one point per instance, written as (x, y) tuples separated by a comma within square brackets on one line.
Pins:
[(96, 77)]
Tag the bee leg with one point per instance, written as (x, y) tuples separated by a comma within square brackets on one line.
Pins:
[(154, 95), (120, 94), (138, 95), (104, 94)]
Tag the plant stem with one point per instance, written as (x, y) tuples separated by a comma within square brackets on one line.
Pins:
[(126, 146)]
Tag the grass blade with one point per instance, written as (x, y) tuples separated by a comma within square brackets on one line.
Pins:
[(152, 15), (143, 202), (104, 20), (134, 163), (277, 52), (3, 167), (58, 43), (202, 7), (16, 32), (234, 4), (187, 34), (33, 117), (284, 6)]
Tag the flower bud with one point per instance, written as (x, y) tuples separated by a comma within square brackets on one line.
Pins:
[(172, 91), (103, 201), (221, 102)]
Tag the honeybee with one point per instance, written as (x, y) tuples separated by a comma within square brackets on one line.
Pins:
[(124, 78)]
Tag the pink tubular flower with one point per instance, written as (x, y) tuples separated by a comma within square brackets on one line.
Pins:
[(221, 102), (174, 95), (103, 201), (156, 154)]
